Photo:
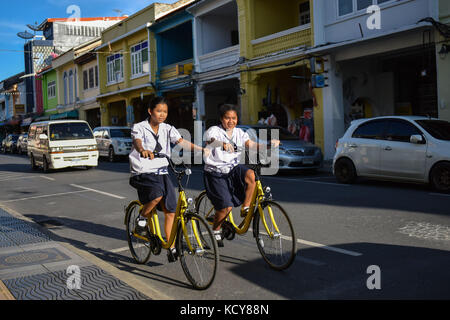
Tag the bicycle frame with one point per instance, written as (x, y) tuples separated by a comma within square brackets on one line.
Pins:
[(257, 199), (179, 221)]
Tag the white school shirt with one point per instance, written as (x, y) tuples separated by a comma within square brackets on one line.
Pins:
[(221, 161), (167, 134)]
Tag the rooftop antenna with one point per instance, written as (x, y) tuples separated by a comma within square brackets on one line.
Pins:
[(118, 12)]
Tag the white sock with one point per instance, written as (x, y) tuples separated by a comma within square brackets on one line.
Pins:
[(142, 222)]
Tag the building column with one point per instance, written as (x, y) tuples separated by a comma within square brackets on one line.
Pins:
[(443, 82), (199, 124), (333, 109), (249, 100), (104, 114)]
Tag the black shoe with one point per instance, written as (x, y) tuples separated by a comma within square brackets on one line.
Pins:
[(218, 237), (172, 255)]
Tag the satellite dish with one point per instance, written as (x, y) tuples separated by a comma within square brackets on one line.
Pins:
[(25, 35), (33, 27)]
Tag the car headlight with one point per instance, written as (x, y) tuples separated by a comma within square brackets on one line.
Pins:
[(283, 150), (56, 150), (92, 148), (121, 144)]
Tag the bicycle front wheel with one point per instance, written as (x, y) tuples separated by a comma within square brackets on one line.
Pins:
[(198, 252), (275, 236), (139, 248)]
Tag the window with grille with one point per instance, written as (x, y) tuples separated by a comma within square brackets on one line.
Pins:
[(114, 68), (139, 59)]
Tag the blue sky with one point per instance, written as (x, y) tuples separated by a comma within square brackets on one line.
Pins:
[(16, 14)]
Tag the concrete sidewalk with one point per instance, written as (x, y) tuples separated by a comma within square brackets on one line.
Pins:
[(35, 267)]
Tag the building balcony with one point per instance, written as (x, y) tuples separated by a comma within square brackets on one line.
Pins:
[(284, 40), (174, 71), (219, 59)]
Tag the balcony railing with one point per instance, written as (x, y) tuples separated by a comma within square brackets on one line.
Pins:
[(219, 59), (287, 39)]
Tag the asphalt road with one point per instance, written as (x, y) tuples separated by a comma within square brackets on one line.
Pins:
[(371, 240)]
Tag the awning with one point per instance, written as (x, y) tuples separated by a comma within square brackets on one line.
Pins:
[(26, 122), (65, 115)]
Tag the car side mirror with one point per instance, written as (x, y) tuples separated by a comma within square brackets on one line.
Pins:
[(43, 136), (417, 139)]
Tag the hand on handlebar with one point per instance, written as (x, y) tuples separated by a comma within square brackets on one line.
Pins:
[(275, 143), (228, 147), (147, 154)]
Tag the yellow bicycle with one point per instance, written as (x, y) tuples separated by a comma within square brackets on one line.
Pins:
[(194, 242), (272, 227)]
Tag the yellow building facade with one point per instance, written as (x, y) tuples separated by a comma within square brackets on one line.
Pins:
[(275, 76), (127, 67)]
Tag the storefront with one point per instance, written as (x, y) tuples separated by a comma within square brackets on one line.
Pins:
[(284, 98), (402, 82)]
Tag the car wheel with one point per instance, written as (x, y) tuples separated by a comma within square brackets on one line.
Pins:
[(19, 150), (33, 163), (45, 166), (345, 171), (111, 155), (440, 177)]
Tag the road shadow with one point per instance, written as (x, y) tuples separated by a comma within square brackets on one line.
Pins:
[(123, 261), (405, 273)]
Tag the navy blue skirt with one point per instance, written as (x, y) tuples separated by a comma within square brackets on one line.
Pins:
[(152, 186), (226, 190)]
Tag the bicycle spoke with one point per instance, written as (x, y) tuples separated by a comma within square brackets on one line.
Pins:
[(275, 236), (139, 248), (200, 259)]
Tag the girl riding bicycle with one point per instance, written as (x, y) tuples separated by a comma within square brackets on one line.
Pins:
[(149, 175), (228, 184)]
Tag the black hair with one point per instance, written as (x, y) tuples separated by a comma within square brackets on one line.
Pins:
[(155, 101), (225, 108)]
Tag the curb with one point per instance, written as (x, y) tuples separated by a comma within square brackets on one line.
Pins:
[(123, 276)]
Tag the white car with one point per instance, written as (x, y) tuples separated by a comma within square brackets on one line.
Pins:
[(113, 141), (406, 148)]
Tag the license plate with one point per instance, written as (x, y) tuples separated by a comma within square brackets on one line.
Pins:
[(308, 161)]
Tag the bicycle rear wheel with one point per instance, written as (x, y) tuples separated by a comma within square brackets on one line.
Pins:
[(277, 242), (139, 248), (199, 260), (205, 207)]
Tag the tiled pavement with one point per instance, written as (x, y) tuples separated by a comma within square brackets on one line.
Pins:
[(34, 267)]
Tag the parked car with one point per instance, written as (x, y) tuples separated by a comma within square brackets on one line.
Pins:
[(9, 144), (294, 153), (60, 144), (22, 143), (407, 148), (113, 142)]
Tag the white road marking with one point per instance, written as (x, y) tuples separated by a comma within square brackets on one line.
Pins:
[(18, 178), (319, 245), (51, 179), (44, 196), (98, 191), (322, 246)]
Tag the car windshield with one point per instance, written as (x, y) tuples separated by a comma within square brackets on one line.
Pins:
[(439, 129), (70, 131), (120, 133), (284, 134), (14, 138)]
